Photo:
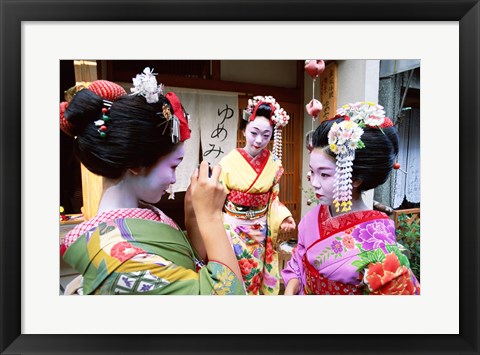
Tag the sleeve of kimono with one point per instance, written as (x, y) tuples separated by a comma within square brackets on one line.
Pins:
[(294, 268), (212, 279), (277, 212), (218, 279), (171, 279)]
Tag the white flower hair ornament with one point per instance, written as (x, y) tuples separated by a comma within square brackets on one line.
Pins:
[(344, 138), (279, 119), (145, 85)]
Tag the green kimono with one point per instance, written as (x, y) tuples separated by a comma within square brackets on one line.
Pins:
[(139, 256)]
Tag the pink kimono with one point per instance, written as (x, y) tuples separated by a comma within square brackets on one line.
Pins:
[(354, 253)]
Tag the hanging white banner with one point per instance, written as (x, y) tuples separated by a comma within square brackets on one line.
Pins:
[(213, 124), (219, 126)]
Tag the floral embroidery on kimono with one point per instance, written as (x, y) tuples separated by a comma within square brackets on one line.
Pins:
[(354, 253)]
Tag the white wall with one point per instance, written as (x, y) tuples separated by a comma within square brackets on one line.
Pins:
[(358, 80)]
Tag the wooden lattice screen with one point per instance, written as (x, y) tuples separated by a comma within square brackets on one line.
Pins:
[(292, 148), (413, 215)]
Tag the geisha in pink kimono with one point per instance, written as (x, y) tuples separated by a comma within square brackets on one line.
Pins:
[(343, 247), (253, 214)]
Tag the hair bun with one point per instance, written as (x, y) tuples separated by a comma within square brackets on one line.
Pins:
[(107, 89)]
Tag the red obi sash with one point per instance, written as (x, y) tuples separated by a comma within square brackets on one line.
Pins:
[(316, 284), (248, 199)]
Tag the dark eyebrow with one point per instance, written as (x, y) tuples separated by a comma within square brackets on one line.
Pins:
[(322, 168), (258, 129)]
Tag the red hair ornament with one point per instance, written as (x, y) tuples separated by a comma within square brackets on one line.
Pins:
[(183, 129), (107, 90), (65, 125)]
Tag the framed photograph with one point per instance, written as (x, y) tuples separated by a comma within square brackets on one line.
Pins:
[(35, 36)]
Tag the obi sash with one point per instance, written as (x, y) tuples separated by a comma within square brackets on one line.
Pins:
[(316, 284), (248, 199)]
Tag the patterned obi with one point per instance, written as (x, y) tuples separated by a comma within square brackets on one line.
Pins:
[(317, 284), (248, 199), (244, 212)]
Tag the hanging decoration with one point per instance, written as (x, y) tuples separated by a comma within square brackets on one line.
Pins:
[(313, 68)]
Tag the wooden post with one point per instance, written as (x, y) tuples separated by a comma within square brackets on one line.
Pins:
[(328, 91), (92, 185)]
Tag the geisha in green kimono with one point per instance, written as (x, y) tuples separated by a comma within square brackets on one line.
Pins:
[(135, 142)]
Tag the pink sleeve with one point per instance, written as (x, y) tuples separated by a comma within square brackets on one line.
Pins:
[(308, 233), (294, 268)]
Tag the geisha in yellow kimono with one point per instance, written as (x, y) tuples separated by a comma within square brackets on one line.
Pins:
[(253, 214)]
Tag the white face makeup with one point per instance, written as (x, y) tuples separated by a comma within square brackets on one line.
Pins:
[(150, 184), (257, 135), (322, 167)]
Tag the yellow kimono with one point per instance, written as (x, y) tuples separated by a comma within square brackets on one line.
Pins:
[(252, 216)]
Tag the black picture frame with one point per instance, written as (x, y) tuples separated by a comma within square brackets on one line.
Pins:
[(12, 341)]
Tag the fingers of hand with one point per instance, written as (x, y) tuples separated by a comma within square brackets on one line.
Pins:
[(217, 169), (207, 195), (288, 225), (194, 176), (203, 171)]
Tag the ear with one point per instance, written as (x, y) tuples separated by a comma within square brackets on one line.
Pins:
[(356, 182)]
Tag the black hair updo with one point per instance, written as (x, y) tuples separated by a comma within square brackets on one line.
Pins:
[(373, 163), (263, 110), (137, 133)]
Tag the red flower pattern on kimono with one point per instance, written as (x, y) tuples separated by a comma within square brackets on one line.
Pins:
[(255, 285), (402, 285), (381, 273), (269, 251), (124, 251), (245, 266), (348, 242)]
